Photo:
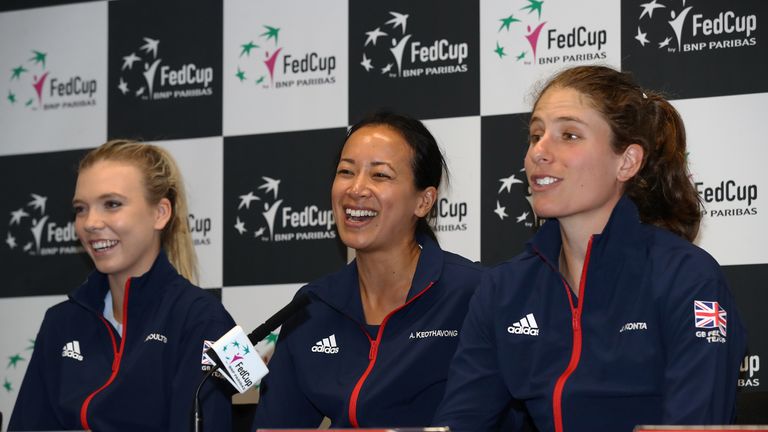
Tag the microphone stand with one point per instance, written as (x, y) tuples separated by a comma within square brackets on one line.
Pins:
[(255, 336), (197, 409)]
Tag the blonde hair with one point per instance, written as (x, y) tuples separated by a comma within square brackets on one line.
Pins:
[(162, 179)]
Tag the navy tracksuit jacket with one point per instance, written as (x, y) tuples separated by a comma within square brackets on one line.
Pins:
[(83, 375), (653, 338), (326, 363)]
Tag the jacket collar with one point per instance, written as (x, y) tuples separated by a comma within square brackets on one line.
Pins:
[(617, 239), (341, 290), (92, 292)]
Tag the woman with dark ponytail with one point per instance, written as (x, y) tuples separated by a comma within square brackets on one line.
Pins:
[(374, 346), (612, 317)]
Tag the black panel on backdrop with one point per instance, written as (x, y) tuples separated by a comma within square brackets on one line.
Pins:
[(698, 49), (750, 408), (9, 5), (165, 69), (417, 57), (39, 240), (278, 225), (751, 299), (506, 220)]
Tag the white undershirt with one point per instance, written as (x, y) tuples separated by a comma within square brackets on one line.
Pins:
[(109, 314)]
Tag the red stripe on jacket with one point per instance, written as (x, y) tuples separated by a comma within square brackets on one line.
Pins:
[(115, 360), (372, 354)]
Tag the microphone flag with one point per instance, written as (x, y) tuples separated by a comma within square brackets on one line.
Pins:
[(238, 360)]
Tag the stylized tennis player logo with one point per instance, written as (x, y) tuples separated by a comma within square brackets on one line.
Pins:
[(27, 81), (518, 25), (270, 208), (256, 59), (235, 351)]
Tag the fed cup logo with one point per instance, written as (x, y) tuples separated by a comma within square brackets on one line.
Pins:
[(280, 221), (34, 86), (262, 57), (235, 355), (670, 28), (33, 232), (144, 75), (524, 38), (235, 352), (390, 50)]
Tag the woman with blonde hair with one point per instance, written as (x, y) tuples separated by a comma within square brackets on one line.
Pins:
[(124, 351)]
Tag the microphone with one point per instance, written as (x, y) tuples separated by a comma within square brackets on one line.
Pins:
[(234, 353), (278, 318), (235, 356)]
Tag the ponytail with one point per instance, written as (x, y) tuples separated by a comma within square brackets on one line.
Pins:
[(662, 189)]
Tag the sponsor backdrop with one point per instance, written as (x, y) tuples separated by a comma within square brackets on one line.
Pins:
[(253, 98)]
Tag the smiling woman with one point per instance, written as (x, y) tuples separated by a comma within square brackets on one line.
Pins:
[(373, 348), (374, 195), (129, 339), (612, 317), (116, 224)]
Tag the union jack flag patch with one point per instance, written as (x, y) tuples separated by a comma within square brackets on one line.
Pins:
[(207, 345), (709, 314)]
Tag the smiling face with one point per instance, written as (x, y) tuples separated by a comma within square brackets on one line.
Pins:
[(118, 228), (375, 201), (572, 169)]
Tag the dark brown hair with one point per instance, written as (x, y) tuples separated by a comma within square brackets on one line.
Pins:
[(428, 163), (662, 189)]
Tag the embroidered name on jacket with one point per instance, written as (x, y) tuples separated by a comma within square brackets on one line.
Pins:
[(630, 326), (433, 333), (156, 337)]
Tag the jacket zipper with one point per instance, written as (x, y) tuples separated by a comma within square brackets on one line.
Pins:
[(372, 355), (118, 355), (557, 394)]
